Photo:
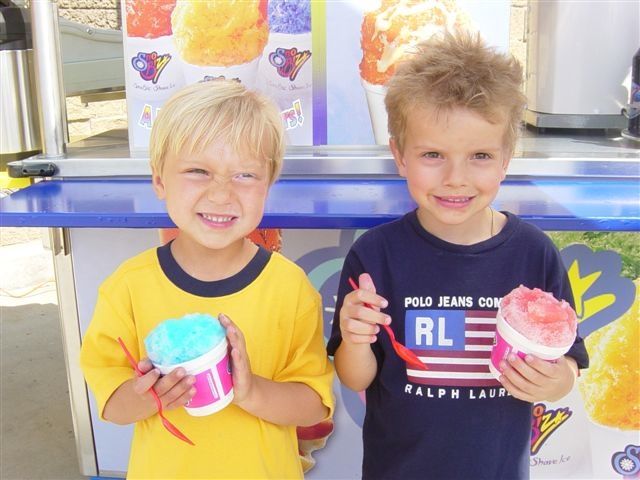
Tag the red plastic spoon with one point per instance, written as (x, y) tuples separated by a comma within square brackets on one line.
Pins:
[(167, 424), (402, 351)]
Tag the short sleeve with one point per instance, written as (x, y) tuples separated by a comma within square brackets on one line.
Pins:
[(307, 360), (102, 360)]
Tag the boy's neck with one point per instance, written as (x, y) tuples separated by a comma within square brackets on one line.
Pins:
[(482, 227), (208, 264)]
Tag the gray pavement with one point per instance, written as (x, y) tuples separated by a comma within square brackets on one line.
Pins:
[(36, 439)]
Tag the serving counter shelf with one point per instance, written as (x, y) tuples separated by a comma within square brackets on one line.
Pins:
[(555, 182)]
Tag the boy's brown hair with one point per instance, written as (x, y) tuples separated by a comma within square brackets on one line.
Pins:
[(202, 113), (457, 70)]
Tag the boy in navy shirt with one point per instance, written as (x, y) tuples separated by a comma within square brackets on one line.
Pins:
[(436, 277)]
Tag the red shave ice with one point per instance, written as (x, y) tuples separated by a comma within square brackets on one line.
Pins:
[(532, 322), (149, 18), (540, 317)]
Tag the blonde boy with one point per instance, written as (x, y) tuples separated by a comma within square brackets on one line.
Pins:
[(216, 148), (435, 276)]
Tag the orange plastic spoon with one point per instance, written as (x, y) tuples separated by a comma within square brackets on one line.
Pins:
[(167, 424), (402, 351)]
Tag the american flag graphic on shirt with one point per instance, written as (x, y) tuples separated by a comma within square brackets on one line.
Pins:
[(455, 345)]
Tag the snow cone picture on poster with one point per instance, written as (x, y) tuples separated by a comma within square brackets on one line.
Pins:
[(153, 71), (220, 39), (196, 342), (560, 445)]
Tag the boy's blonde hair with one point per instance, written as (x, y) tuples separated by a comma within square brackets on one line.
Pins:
[(457, 70), (200, 114)]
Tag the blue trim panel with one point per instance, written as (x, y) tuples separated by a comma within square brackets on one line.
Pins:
[(559, 204)]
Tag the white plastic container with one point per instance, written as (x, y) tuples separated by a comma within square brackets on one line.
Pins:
[(508, 340), (245, 73), (214, 386)]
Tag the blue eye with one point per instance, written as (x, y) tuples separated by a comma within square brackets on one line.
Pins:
[(482, 156), (431, 155)]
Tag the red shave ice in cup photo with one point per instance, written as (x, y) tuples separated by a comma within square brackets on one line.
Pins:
[(531, 321), (149, 18)]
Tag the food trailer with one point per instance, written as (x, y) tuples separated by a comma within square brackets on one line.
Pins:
[(582, 186)]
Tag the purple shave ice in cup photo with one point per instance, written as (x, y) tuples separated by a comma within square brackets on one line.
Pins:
[(289, 16)]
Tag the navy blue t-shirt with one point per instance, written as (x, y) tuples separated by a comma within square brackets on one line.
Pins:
[(453, 420)]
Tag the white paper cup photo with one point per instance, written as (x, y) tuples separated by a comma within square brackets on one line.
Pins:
[(286, 66), (375, 101), (560, 445), (245, 73), (153, 70)]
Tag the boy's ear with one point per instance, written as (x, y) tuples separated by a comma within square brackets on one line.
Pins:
[(157, 183), (505, 165), (398, 157)]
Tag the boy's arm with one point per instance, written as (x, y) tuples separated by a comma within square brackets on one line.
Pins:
[(132, 401), (279, 402), (120, 397), (356, 365), (282, 403), (127, 406)]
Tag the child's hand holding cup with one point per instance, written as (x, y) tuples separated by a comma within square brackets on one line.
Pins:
[(196, 342)]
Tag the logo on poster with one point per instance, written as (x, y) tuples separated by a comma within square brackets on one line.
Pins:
[(627, 463), (600, 292), (150, 65), (293, 117), (289, 61), (146, 117), (544, 423)]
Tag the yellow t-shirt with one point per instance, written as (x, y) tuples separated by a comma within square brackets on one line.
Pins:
[(279, 312)]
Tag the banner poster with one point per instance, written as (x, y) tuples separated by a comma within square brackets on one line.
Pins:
[(592, 433), (324, 63)]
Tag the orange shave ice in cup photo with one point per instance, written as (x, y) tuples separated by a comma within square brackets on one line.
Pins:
[(531, 321), (610, 387), (388, 33), (220, 38)]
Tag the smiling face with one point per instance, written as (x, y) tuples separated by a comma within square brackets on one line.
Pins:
[(215, 197), (454, 162)]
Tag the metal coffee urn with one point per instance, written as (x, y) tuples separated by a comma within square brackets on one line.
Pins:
[(19, 130)]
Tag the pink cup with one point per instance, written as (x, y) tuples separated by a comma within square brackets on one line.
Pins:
[(509, 340), (214, 386)]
